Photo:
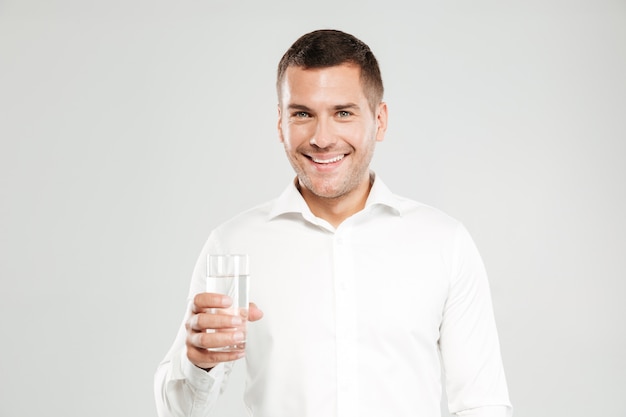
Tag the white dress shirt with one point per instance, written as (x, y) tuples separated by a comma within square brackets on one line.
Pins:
[(358, 320)]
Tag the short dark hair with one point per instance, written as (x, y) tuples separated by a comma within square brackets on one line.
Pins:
[(328, 48)]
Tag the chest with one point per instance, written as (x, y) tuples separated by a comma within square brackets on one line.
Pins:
[(329, 284)]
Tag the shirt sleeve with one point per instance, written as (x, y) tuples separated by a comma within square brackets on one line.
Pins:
[(470, 349), (182, 389)]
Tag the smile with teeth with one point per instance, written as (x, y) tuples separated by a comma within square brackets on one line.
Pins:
[(327, 161)]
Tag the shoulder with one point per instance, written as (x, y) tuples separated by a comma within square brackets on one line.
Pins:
[(252, 217), (405, 211), (415, 212)]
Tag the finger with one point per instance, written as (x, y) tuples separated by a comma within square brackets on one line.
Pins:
[(217, 339), (208, 359), (205, 300), (254, 312), (206, 321)]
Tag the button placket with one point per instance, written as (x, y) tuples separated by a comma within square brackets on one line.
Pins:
[(346, 324)]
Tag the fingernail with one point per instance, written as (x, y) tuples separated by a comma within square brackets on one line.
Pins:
[(238, 336), (236, 321)]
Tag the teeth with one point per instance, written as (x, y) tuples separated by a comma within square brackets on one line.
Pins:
[(327, 161)]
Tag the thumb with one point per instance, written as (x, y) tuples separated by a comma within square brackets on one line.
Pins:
[(254, 313)]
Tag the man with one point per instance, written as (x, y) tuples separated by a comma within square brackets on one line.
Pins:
[(362, 291)]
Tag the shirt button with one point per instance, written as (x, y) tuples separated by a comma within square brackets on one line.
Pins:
[(340, 241)]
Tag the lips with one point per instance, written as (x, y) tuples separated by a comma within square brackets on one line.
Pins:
[(327, 160)]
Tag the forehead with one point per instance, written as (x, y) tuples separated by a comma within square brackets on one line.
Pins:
[(340, 82)]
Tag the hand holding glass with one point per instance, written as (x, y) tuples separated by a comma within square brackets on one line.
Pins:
[(228, 274)]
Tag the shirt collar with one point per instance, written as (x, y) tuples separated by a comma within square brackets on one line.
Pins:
[(291, 201)]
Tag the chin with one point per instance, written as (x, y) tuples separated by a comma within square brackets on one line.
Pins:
[(329, 188), (326, 191)]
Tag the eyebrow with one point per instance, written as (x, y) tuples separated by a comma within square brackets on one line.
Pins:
[(353, 106), (302, 107)]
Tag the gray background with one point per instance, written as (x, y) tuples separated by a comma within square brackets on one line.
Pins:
[(130, 128)]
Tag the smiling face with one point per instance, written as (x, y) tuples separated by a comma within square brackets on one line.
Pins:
[(329, 131)]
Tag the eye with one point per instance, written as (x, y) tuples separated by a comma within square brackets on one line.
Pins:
[(343, 114), (301, 115)]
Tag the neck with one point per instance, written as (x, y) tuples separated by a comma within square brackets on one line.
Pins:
[(336, 210)]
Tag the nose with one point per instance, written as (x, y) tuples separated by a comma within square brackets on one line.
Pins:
[(323, 136)]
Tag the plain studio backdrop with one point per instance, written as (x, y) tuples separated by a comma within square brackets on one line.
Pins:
[(129, 129)]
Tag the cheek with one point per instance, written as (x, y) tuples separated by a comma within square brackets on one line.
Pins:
[(353, 133), (295, 135)]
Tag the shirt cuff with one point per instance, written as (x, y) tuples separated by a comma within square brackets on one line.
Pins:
[(490, 411), (200, 380)]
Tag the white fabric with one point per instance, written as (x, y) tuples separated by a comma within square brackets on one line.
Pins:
[(355, 318)]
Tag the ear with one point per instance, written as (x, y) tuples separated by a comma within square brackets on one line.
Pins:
[(281, 137), (381, 121)]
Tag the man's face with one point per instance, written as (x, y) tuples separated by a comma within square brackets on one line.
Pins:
[(328, 129)]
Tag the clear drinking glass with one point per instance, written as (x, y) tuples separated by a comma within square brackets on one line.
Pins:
[(228, 274)]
